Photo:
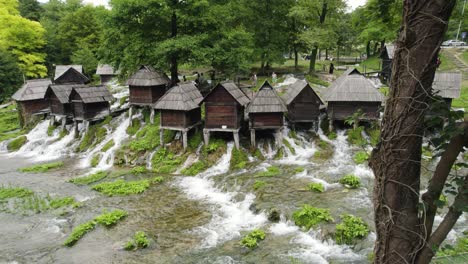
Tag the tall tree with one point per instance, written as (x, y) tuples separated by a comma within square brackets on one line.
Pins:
[(30, 9), (10, 75), (396, 161)]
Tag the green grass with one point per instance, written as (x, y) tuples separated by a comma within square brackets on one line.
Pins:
[(462, 101), (351, 229), (95, 135), (62, 202), (42, 167), (134, 127), (316, 187), (10, 192), (351, 181), (90, 178), (270, 172), (308, 216), (9, 123), (355, 137), (465, 56), (139, 240), (108, 145), (95, 160), (195, 168), (17, 143), (122, 188), (147, 138), (371, 64), (195, 140), (109, 219), (165, 161), (447, 64), (50, 130)]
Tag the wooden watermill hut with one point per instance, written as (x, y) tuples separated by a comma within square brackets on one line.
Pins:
[(303, 103), (180, 110), (30, 99), (224, 110), (447, 85), (58, 98), (69, 74), (387, 60), (106, 73), (266, 111), (90, 103), (350, 93)]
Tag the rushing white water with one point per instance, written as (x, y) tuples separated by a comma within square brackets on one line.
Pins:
[(302, 151), (229, 216), (288, 80)]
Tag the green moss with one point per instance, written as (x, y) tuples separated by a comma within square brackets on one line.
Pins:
[(214, 145), (288, 145), (139, 170), (351, 229), (239, 159), (42, 167), (17, 143), (146, 139), (50, 130), (95, 135), (107, 120), (374, 135), (351, 181), (122, 188), (308, 216), (165, 161), (355, 137), (316, 187), (325, 150), (361, 157), (332, 135), (195, 140), (133, 128), (325, 125), (90, 179), (270, 172), (279, 154), (108, 145), (292, 134), (62, 202), (78, 232), (258, 154), (139, 240), (63, 133), (251, 239), (10, 192), (195, 168), (95, 160), (123, 100), (259, 185), (109, 219), (299, 169)]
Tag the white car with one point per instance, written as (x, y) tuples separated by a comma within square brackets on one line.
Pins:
[(453, 42)]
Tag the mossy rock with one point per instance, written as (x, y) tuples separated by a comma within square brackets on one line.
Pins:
[(17, 143)]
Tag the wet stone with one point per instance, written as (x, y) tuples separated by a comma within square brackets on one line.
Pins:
[(274, 215)]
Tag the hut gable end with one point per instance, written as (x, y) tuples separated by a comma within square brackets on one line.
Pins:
[(89, 95), (447, 84), (183, 97), (71, 75), (147, 76), (266, 100), (303, 90), (225, 92), (32, 90)]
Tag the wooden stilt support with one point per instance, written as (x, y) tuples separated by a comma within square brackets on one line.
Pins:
[(86, 126), (252, 137), (75, 129), (161, 137), (152, 115), (64, 122), (206, 136), (330, 125), (184, 139), (236, 139)]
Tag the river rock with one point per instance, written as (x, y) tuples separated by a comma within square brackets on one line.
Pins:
[(274, 215)]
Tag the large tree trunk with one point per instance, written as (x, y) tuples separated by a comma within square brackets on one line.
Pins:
[(296, 58), (368, 49), (313, 59), (396, 160), (174, 65)]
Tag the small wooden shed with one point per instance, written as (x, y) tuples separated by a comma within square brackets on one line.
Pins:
[(224, 110), (387, 59), (180, 109), (58, 97), (447, 85), (90, 103), (69, 74), (147, 86), (30, 99), (106, 73), (303, 103), (350, 93), (266, 111)]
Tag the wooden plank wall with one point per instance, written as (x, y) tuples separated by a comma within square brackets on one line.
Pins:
[(221, 109), (305, 107), (342, 110), (266, 120), (140, 95)]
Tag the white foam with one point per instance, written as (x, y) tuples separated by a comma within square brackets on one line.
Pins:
[(283, 228)]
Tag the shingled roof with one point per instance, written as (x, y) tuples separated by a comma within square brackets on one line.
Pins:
[(266, 100), (352, 86), (94, 94), (63, 91), (234, 91), (32, 90), (295, 89), (183, 97), (105, 69), (61, 69), (447, 84), (148, 76)]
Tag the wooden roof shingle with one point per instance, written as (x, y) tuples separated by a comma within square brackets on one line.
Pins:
[(447, 84), (63, 91), (266, 100), (148, 76), (234, 91), (95, 94), (352, 86), (32, 90), (61, 69), (182, 97), (105, 69), (295, 89)]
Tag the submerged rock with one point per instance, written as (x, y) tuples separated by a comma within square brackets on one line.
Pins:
[(274, 215)]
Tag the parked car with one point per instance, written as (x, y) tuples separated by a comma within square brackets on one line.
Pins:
[(453, 42)]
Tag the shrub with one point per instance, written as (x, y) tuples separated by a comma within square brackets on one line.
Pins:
[(361, 157), (121, 187), (109, 219), (42, 167), (90, 178), (270, 172), (259, 184), (351, 181), (251, 239), (350, 229), (9, 192), (139, 240), (108, 145), (316, 187), (309, 216), (78, 232), (17, 143), (195, 168), (238, 159)]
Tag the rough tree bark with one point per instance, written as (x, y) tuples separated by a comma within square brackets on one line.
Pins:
[(313, 56), (396, 160)]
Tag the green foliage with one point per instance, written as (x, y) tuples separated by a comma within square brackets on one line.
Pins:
[(42, 167), (279, 154), (270, 172), (165, 161), (239, 159), (195, 168), (214, 145), (316, 187), (157, 179), (78, 232), (10, 75), (195, 140), (10, 192), (9, 121), (139, 240), (133, 128), (109, 219), (108, 145), (332, 135), (374, 134), (288, 145), (259, 185), (460, 247), (361, 157), (62, 202), (325, 150), (95, 135), (50, 130), (90, 178), (251, 239), (355, 137), (147, 138), (63, 133), (350, 229), (139, 170), (308, 216), (95, 160), (17, 143), (355, 117), (122, 188), (299, 169), (258, 154), (315, 80), (351, 181)]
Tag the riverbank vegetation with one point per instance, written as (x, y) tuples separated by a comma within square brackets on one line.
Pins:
[(41, 168), (309, 216), (140, 240)]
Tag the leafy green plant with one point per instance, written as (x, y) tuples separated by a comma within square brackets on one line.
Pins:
[(214, 145), (309, 216), (108, 145), (460, 247), (195, 140), (50, 130), (299, 169), (165, 161), (332, 135), (109, 219), (62, 202), (195, 168), (316, 187), (258, 154), (289, 146), (279, 154), (251, 239), (78, 232), (147, 138), (238, 159), (139, 240), (270, 172), (95, 160), (63, 133), (90, 178), (351, 181), (121, 187), (17, 143), (350, 229), (354, 118), (361, 157), (139, 170), (157, 179), (95, 135), (355, 137), (42, 167), (133, 128), (258, 185), (10, 192)]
